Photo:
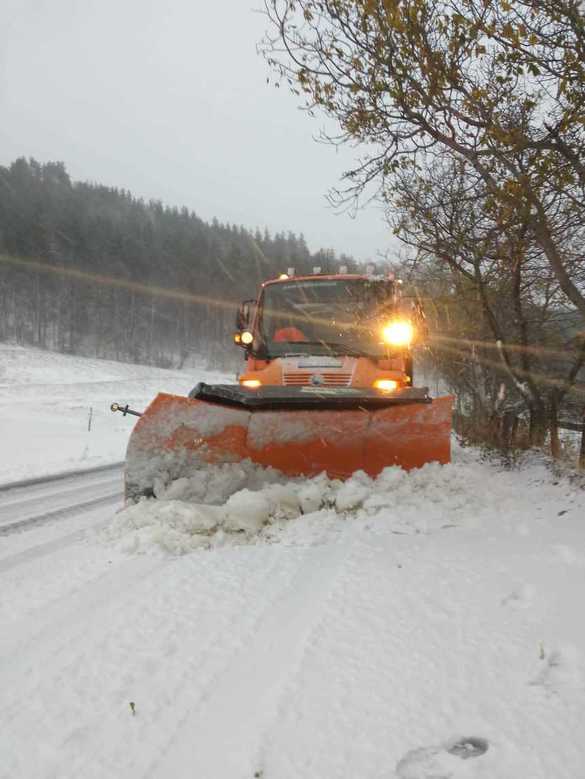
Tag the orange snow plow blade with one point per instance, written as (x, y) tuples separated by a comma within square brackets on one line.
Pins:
[(299, 431)]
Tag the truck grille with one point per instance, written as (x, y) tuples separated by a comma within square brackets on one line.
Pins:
[(303, 379)]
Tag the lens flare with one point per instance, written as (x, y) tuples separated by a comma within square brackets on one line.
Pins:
[(398, 333)]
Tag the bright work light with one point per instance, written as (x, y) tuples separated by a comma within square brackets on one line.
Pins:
[(398, 333)]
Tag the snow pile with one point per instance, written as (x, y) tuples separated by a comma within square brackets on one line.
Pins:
[(243, 503), (175, 524), (214, 484)]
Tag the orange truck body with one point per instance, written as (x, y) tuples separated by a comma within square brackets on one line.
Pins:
[(309, 414)]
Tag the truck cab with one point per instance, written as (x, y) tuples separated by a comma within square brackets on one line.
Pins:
[(329, 330)]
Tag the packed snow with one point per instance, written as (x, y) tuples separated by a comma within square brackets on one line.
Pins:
[(422, 625)]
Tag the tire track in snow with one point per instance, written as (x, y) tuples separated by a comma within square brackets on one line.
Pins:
[(307, 677), (410, 648), (376, 661), (46, 659), (29, 523), (245, 603), (45, 539), (61, 616), (135, 641), (223, 634), (53, 507), (49, 547), (221, 736), (188, 685), (40, 482)]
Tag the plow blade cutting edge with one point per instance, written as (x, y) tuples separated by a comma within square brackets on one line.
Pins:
[(301, 431)]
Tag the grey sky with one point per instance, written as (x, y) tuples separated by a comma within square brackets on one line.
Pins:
[(169, 100)]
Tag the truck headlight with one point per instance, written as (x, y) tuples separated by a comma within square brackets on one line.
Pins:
[(387, 385)]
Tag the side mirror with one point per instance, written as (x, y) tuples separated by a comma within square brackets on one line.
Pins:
[(245, 315)]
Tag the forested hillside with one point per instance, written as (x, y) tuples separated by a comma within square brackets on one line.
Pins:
[(93, 270)]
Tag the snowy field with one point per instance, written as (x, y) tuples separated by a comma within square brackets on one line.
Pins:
[(45, 403), (420, 626)]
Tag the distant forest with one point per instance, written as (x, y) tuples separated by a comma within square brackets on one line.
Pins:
[(92, 270)]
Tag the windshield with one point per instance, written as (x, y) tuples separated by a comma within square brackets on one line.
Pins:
[(322, 316)]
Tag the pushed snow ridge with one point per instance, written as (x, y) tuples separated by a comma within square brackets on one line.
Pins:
[(234, 504)]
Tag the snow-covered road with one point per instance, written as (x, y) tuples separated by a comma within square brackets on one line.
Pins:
[(42, 501), (340, 644), (363, 631)]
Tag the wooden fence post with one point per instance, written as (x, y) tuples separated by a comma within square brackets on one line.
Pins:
[(581, 463)]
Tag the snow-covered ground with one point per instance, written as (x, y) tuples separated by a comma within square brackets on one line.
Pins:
[(419, 626), (46, 400)]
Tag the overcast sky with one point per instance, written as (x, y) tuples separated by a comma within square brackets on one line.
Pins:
[(168, 98)]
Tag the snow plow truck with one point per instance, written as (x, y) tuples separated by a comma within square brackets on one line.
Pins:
[(328, 386)]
